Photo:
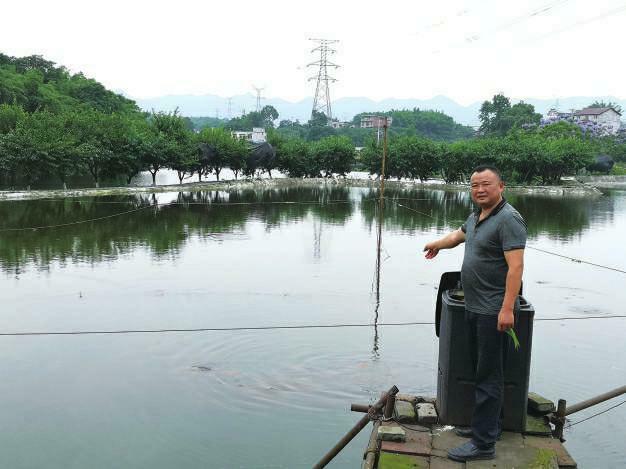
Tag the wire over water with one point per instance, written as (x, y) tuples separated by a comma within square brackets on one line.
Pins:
[(595, 415), (573, 259), (265, 328)]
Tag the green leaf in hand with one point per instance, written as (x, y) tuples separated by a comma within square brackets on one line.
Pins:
[(511, 332)]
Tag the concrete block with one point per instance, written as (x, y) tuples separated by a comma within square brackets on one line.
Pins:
[(389, 433), (407, 398), (537, 425), (539, 404), (426, 413), (405, 412)]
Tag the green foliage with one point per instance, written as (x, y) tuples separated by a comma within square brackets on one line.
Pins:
[(246, 122), (10, 115), (412, 157), (200, 123), (434, 125), (222, 150), (38, 84), (332, 155), (497, 117), (293, 158)]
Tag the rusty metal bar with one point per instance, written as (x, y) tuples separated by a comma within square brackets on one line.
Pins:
[(389, 406), (360, 425), (595, 400), (364, 408)]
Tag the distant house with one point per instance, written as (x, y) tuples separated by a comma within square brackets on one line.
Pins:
[(373, 122), (555, 114), (607, 117), (339, 125), (257, 135)]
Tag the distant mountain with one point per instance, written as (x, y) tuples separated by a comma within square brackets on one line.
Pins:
[(344, 108)]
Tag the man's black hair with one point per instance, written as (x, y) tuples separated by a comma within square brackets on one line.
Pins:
[(490, 167)]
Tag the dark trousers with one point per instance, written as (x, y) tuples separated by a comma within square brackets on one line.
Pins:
[(488, 346)]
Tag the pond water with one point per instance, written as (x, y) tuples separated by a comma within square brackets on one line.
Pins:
[(271, 398)]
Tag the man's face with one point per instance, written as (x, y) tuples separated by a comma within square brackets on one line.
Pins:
[(486, 188)]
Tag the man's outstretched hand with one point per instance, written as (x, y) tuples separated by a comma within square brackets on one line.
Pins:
[(431, 250)]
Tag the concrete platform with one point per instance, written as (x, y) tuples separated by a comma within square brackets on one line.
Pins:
[(426, 447)]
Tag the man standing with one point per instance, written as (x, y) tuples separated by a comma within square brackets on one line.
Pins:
[(495, 238)]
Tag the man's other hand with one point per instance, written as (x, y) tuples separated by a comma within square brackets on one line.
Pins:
[(506, 320), (431, 250)]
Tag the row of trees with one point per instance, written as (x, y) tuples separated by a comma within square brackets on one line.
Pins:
[(541, 154), (40, 145), (37, 145), (54, 124)]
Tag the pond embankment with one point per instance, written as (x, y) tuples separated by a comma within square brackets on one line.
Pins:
[(604, 182), (569, 188)]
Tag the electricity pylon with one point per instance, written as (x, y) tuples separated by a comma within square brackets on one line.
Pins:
[(258, 97), (321, 101)]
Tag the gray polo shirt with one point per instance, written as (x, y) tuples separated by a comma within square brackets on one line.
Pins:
[(484, 267)]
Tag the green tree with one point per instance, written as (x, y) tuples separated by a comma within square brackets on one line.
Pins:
[(269, 115), (332, 155), (493, 114), (10, 115)]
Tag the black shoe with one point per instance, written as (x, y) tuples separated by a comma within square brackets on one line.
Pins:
[(467, 433), (470, 452)]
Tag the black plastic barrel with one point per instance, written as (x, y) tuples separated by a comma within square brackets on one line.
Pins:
[(456, 370)]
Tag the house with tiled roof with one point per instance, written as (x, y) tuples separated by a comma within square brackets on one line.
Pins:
[(607, 117)]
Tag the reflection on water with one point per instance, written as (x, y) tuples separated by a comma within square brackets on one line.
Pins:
[(270, 257), (165, 227)]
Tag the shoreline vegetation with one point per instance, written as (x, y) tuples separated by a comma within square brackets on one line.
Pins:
[(56, 126), (572, 188)]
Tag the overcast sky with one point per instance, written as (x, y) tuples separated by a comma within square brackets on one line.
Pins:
[(466, 50)]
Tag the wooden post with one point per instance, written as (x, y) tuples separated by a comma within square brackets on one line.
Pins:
[(559, 420)]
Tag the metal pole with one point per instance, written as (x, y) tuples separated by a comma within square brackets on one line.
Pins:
[(360, 425), (595, 400), (382, 175), (389, 406), (364, 408)]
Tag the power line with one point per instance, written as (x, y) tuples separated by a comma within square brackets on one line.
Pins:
[(32, 228), (165, 204), (595, 415), (261, 328)]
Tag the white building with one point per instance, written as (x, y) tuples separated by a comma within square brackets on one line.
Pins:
[(555, 114), (339, 125), (257, 135), (607, 117)]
